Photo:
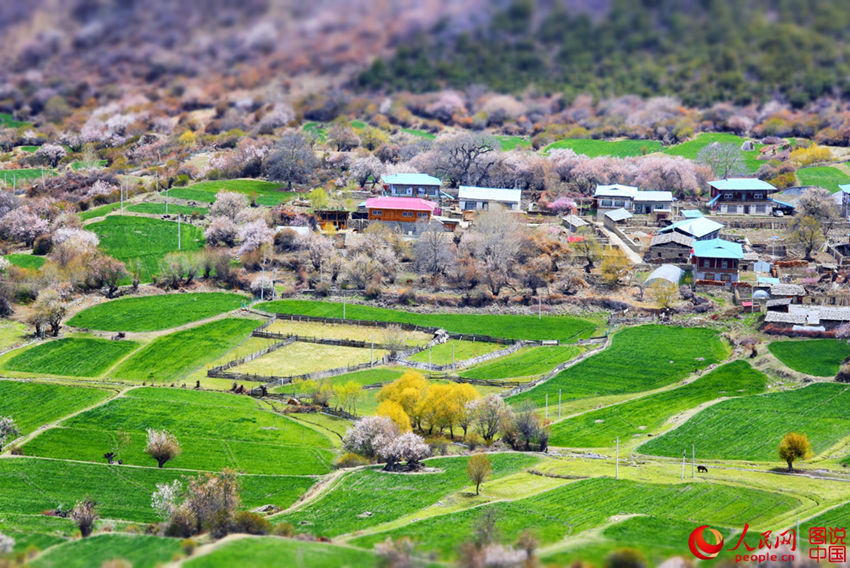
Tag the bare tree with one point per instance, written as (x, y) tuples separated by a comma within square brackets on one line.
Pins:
[(477, 469), (587, 248), (434, 252), (819, 203), (84, 514), (806, 233), (495, 242), (724, 159), (291, 161), (466, 158)]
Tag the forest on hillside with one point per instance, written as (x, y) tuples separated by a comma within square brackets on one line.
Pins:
[(739, 51)]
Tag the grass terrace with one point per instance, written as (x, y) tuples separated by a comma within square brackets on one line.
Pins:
[(100, 211), (823, 176), (70, 356), (149, 240), (35, 404), (343, 331), (273, 552), (266, 192), (140, 550), (157, 312), (819, 357), (638, 359), (28, 261), (644, 416), (527, 362), (173, 208), (300, 358), (172, 357), (215, 430), (751, 427), (595, 148), (564, 328), (455, 350)]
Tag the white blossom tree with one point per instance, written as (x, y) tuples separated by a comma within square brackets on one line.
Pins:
[(8, 430), (369, 434), (165, 499), (254, 235), (409, 448), (228, 204), (221, 232)]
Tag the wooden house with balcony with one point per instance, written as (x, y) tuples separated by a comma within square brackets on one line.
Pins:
[(741, 196)]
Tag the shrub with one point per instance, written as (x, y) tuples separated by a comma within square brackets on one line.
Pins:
[(284, 529), (188, 546), (182, 524), (373, 291), (42, 245), (162, 446), (251, 523), (84, 514), (350, 459), (407, 297)]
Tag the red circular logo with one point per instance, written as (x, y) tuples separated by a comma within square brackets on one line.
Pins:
[(702, 549)]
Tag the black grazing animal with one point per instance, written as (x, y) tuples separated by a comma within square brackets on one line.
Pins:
[(702, 469)]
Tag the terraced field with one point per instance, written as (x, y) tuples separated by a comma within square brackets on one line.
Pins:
[(455, 350), (643, 416), (29, 261), (153, 313), (564, 328), (271, 552), (629, 365), (826, 177), (144, 239), (173, 356), (596, 148), (71, 356), (266, 193), (527, 362), (586, 504), (216, 430), (160, 209), (340, 510), (301, 358), (751, 427), (819, 357), (141, 551), (33, 404)]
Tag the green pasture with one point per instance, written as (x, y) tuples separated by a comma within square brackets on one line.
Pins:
[(71, 356), (527, 362), (33, 404), (819, 357)]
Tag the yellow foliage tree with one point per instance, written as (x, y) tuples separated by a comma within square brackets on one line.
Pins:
[(794, 446), (407, 391), (615, 265), (188, 138), (811, 155), (396, 413)]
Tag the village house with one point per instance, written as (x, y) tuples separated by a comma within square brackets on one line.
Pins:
[(741, 196), (671, 248), (808, 319), (699, 229), (404, 211), (632, 199), (472, 198), (616, 217), (411, 185), (716, 259)]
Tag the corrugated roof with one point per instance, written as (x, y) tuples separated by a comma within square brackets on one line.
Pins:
[(618, 214), (787, 290), (411, 179), (674, 237), (718, 248), (741, 184), (489, 194), (575, 221), (699, 227), (406, 203), (845, 187), (691, 213), (654, 196)]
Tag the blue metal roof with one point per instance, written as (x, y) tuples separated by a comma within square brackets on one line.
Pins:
[(845, 188), (741, 184), (699, 227), (718, 248), (411, 179), (783, 203), (768, 280), (691, 213)]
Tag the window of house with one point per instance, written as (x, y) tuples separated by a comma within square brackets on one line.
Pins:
[(757, 196), (422, 214), (407, 213), (727, 196), (377, 212), (606, 203)]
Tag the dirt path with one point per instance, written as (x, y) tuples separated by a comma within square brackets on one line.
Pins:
[(633, 257)]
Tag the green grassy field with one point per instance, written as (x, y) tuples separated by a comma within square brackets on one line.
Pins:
[(338, 510), (599, 428), (441, 354), (751, 427), (826, 177), (527, 362), (318, 129), (36, 531), (419, 133), (8, 121), (27, 149), (159, 209), (215, 430), (691, 148), (26, 261), (819, 357), (365, 377), (31, 486), (509, 143), (582, 505), (35, 404), (638, 359), (342, 331), (127, 238), (595, 148), (11, 177), (140, 550), (153, 313), (510, 326), (266, 192), (171, 357), (79, 164), (71, 356), (99, 211), (272, 552), (13, 333)]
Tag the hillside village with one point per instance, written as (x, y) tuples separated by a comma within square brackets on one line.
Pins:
[(293, 305)]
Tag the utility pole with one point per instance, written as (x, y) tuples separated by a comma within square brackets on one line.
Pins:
[(372, 352), (453, 357), (539, 307), (684, 453), (262, 278), (178, 233), (343, 306), (274, 279), (693, 459), (559, 403), (617, 461), (166, 200), (547, 406)]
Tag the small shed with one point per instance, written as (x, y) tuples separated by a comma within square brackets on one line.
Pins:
[(573, 223), (616, 217)]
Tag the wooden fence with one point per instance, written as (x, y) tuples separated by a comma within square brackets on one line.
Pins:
[(329, 341), (467, 362)]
